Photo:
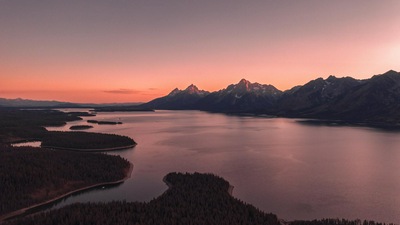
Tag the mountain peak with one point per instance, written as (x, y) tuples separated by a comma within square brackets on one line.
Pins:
[(192, 89), (331, 77), (244, 81), (174, 92), (243, 85), (389, 76), (391, 72)]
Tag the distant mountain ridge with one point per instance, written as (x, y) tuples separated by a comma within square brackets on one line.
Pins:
[(28, 103), (178, 99), (371, 100), (241, 97), (19, 102)]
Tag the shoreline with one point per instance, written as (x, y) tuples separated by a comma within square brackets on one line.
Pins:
[(23, 210), (367, 124), (90, 149), (22, 140)]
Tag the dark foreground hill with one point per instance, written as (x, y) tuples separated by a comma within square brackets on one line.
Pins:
[(374, 101), (191, 199), (30, 176)]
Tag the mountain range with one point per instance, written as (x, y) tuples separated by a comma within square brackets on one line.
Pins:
[(178, 99), (374, 100), (28, 103)]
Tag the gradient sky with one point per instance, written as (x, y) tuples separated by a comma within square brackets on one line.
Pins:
[(131, 51)]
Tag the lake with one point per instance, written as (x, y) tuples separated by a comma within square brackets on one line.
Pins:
[(279, 165)]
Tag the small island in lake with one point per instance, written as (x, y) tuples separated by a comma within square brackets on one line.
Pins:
[(104, 122), (27, 125), (80, 127), (86, 141)]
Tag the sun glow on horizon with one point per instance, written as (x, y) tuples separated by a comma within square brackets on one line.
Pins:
[(97, 51)]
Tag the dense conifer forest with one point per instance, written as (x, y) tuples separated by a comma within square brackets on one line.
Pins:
[(18, 125), (22, 125), (32, 175)]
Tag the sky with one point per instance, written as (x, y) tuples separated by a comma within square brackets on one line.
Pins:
[(103, 51)]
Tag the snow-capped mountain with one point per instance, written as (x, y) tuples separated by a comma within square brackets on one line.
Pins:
[(241, 97), (178, 99), (190, 90), (376, 99), (245, 87)]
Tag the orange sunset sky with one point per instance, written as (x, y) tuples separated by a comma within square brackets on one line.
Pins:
[(103, 51)]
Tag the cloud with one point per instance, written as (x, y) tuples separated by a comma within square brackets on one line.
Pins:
[(123, 91)]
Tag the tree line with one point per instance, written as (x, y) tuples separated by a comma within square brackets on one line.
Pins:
[(32, 175), (85, 140), (19, 124)]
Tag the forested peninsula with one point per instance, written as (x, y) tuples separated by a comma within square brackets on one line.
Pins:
[(191, 199), (30, 177), (27, 125)]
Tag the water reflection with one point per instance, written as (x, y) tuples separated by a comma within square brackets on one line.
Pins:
[(28, 144)]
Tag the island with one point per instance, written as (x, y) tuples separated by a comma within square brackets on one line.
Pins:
[(86, 141), (80, 127), (104, 122), (29, 125), (19, 125)]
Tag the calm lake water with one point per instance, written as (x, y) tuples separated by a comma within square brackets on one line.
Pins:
[(281, 166)]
